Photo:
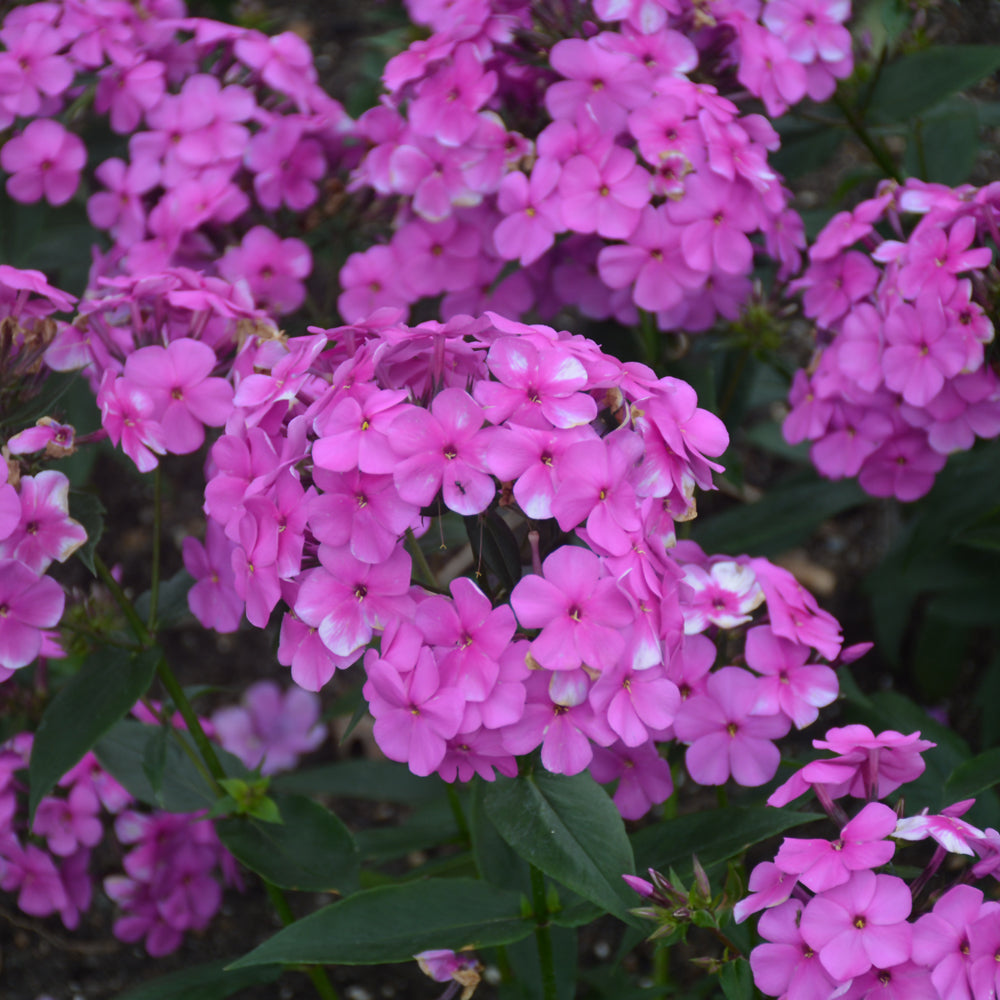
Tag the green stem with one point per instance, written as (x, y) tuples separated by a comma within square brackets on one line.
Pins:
[(316, 973), (878, 150), (733, 384), (650, 340), (154, 585), (121, 599), (180, 699), (543, 936), (722, 796), (186, 748), (424, 572), (661, 966), (459, 813)]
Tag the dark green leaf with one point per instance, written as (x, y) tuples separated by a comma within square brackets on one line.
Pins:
[(377, 780), (123, 752), (714, 835), (523, 959), (310, 849), (154, 759), (430, 825), (736, 980), (108, 685), (943, 148), (173, 605), (210, 981), (89, 511), (496, 860), (974, 776), (806, 149), (939, 642), (494, 547), (916, 82), (568, 828), (785, 517), (394, 922)]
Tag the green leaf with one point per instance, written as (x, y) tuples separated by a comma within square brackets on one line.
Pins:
[(209, 981), (974, 776), (918, 81), (494, 547), (568, 828), (375, 780), (172, 602), (89, 511), (108, 685), (394, 922), (430, 825), (154, 759), (311, 850), (736, 980), (715, 835), (123, 752), (496, 861), (943, 148), (785, 517)]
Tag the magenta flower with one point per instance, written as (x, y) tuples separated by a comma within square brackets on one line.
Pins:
[(274, 268), (443, 449), (823, 864), (860, 924), (44, 161), (213, 599), (644, 778), (581, 614), (785, 965), (45, 531), (604, 196), (941, 940), (725, 738), (28, 604)]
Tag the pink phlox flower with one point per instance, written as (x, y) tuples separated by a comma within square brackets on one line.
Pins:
[(833, 286), (78, 886), (301, 648), (348, 600), (120, 209), (29, 603), (534, 380), (286, 164), (604, 196), (281, 516), (274, 268), (934, 257), (256, 583), (862, 844), (953, 834), (213, 133), (860, 924), (941, 940), (859, 345), (479, 751), (690, 664), (434, 175), (652, 263), (415, 713), (26, 293), (767, 69), (644, 778), (813, 30), (245, 465), (213, 599), (635, 702), (784, 965), (984, 944), (31, 69), (444, 966), (596, 484), (129, 92), (355, 433), (769, 886), (284, 62), (70, 823), (581, 613), (905, 981), (725, 739), (646, 16), (443, 449), (921, 350), (44, 531), (414, 61), (361, 511), (793, 611), (529, 457), (715, 216), (447, 102), (903, 467), (270, 728), (532, 212), (441, 256), (44, 161), (470, 635), (723, 595), (281, 379), (32, 874), (177, 378), (558, 716), (788, 685)]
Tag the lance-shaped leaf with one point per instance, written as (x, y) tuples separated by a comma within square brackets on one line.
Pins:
[(568, 828), (393, 923), (207, 981)]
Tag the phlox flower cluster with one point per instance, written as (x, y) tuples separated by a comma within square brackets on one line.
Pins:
[(900, 379), (345, 445), (174, 866), (637, 189), (836, 925), (36, 528), (226, 128)]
